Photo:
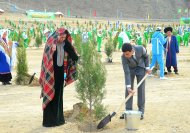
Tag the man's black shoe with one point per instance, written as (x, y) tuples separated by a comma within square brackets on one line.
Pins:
[(142, 117), (122, 116)]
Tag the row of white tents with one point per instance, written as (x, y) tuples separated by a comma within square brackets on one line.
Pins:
[(1, 10)]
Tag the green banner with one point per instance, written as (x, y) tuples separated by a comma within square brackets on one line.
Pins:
[(33, 14)]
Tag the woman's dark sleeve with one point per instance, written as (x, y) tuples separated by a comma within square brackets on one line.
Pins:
[(70, 50), (165, 44)]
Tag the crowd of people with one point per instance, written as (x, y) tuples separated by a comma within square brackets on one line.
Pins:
[(128, 33)]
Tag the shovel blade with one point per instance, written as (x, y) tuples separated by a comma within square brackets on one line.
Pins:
[(104, 122), (31, 79)]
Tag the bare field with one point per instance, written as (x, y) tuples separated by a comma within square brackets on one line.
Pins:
[(167, 101)]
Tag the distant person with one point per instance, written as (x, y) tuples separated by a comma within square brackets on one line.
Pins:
[(186, 38), (139, 38), (179, 39), (5, 59), (57, 70), (99, 39), (158, 42), (172, 49), (85, 37), (146, 37), (14, 54), (122, 38), (47, 34), (135, 61)]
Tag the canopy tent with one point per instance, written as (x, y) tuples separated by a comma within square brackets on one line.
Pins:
[(1, 11), (59, 14)]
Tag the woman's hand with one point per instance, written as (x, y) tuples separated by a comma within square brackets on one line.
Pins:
[(54, 47)]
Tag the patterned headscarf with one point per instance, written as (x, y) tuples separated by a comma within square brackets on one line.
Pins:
[(4, 42), (47, 71)]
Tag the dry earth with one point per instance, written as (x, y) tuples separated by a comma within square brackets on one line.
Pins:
[(167, 101)]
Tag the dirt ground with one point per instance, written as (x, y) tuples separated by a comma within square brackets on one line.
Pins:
[(167, 101)]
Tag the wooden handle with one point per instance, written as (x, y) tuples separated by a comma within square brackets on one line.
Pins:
[(130, 95), (126, 99)]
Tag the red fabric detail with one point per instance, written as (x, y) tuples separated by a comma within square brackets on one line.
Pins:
[(46, 79)]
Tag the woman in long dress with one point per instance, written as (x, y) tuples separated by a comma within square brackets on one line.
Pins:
[(5, 59), (58, 68)]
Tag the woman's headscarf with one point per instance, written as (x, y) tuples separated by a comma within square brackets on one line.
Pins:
[(4, 42), (53, 39), (1, 35)]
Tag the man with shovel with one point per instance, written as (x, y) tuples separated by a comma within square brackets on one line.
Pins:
[(135, 61)]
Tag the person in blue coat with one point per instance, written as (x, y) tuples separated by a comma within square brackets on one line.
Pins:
[(5, 60), (5, 69), (172, 49), (158, 42)]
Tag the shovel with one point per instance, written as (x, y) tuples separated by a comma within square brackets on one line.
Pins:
[(31, 79), (108, 118)]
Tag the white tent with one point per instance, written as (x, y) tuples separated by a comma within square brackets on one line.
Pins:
[(59, 14), (1, 10)]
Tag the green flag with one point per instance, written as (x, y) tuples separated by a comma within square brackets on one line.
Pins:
[(186, 10), (179, 10), (69, 12)]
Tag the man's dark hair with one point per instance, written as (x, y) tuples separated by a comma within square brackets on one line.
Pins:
[(168, 29), (127, 47)]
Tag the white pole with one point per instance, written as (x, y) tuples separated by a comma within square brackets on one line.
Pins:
[(117, 13), (90, 12)]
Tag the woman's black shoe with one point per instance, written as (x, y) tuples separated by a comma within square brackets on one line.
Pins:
[(4, 83), (8, 83)]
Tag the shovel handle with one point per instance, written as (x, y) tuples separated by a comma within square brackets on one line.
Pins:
[(126, 99), (113, 114), (130, 95)]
